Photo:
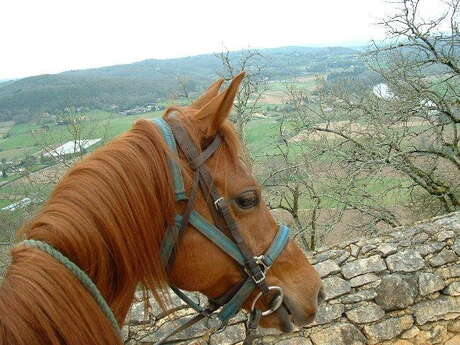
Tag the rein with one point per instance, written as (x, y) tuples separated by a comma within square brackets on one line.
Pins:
[(253, 268)]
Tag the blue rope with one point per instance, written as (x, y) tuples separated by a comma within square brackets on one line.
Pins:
[(79, 274)]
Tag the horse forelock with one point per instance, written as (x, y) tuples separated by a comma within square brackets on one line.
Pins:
[(226, 130), (108, 215)]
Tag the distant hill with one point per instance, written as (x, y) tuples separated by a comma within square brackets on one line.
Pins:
[(4, 82), (153, 80)]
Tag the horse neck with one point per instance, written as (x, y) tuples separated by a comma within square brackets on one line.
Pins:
[(109, 212)]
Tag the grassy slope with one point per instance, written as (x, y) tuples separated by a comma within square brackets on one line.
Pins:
[(21, 140)]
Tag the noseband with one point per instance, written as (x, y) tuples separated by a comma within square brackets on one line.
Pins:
[(254, 268)]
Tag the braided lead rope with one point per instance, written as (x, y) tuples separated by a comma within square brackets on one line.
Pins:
[(79, 274)]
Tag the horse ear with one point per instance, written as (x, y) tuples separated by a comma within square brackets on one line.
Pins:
[(214, 113), (209, 94)]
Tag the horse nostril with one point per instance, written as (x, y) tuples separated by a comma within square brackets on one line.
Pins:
[(310, 318), (321, 295)]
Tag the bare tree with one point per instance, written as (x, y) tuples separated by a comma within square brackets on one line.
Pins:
[(183, 90), (397, 138), (78, 128), (294, 182), (253, 88)]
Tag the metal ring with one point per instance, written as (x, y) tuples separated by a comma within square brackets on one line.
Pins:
[(278, 300)]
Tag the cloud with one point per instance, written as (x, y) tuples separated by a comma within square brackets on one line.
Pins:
[(50, 36)]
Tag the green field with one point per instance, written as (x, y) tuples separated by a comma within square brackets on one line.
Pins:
[(5, 127), (22, 140), (262, 137)]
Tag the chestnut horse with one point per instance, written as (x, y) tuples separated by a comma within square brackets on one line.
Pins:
[(108, 215)]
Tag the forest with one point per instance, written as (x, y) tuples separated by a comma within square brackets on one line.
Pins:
[(151, 81)]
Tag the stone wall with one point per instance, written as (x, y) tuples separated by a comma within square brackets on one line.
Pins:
[(401, 288)]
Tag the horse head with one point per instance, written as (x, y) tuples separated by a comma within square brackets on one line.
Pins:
[(200, 265)]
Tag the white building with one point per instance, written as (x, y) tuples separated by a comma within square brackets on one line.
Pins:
[(71, 147), (19, 204)]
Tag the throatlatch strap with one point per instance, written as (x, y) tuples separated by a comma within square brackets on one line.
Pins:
[(174, 233), (174, 167)]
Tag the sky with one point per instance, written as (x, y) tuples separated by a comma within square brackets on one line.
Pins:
[(51, 36)]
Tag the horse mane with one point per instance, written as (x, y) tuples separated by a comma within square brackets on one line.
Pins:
[(107, 215)]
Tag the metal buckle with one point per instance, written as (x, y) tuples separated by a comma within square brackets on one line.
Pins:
[(261, 279), (260, 261), (278, 300), (263, 269), (216, 203)]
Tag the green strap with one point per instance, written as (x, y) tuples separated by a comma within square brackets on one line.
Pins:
[(174, 167), (79, 274)]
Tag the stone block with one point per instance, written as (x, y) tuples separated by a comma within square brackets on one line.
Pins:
[(197, 329), (294, 341), (360, 296), (367, 248), (429, 283), (410, 333), (328, 312), (451, 221), (388, 329), (327, 255), (449, 272), (438, 335), (327, 268), (430, 248), (420, 238), (335, 287), (453, 341), (354, 249), (231, 335), (444, 257), (342, 333), (453, 289), (365, 312), (445, 235), (137, 314), (361, 266), (454, 326), (456, 246), (406, 261), (387, 249), (436, 309), (396, 292), (363, 279), (402, 342), (342, 258)]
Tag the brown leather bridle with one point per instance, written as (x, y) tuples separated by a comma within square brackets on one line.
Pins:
[(253, 267)]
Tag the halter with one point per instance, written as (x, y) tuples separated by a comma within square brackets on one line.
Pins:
[(253, 267)]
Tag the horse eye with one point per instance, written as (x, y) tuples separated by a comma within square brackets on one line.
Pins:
[(247, 200)]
